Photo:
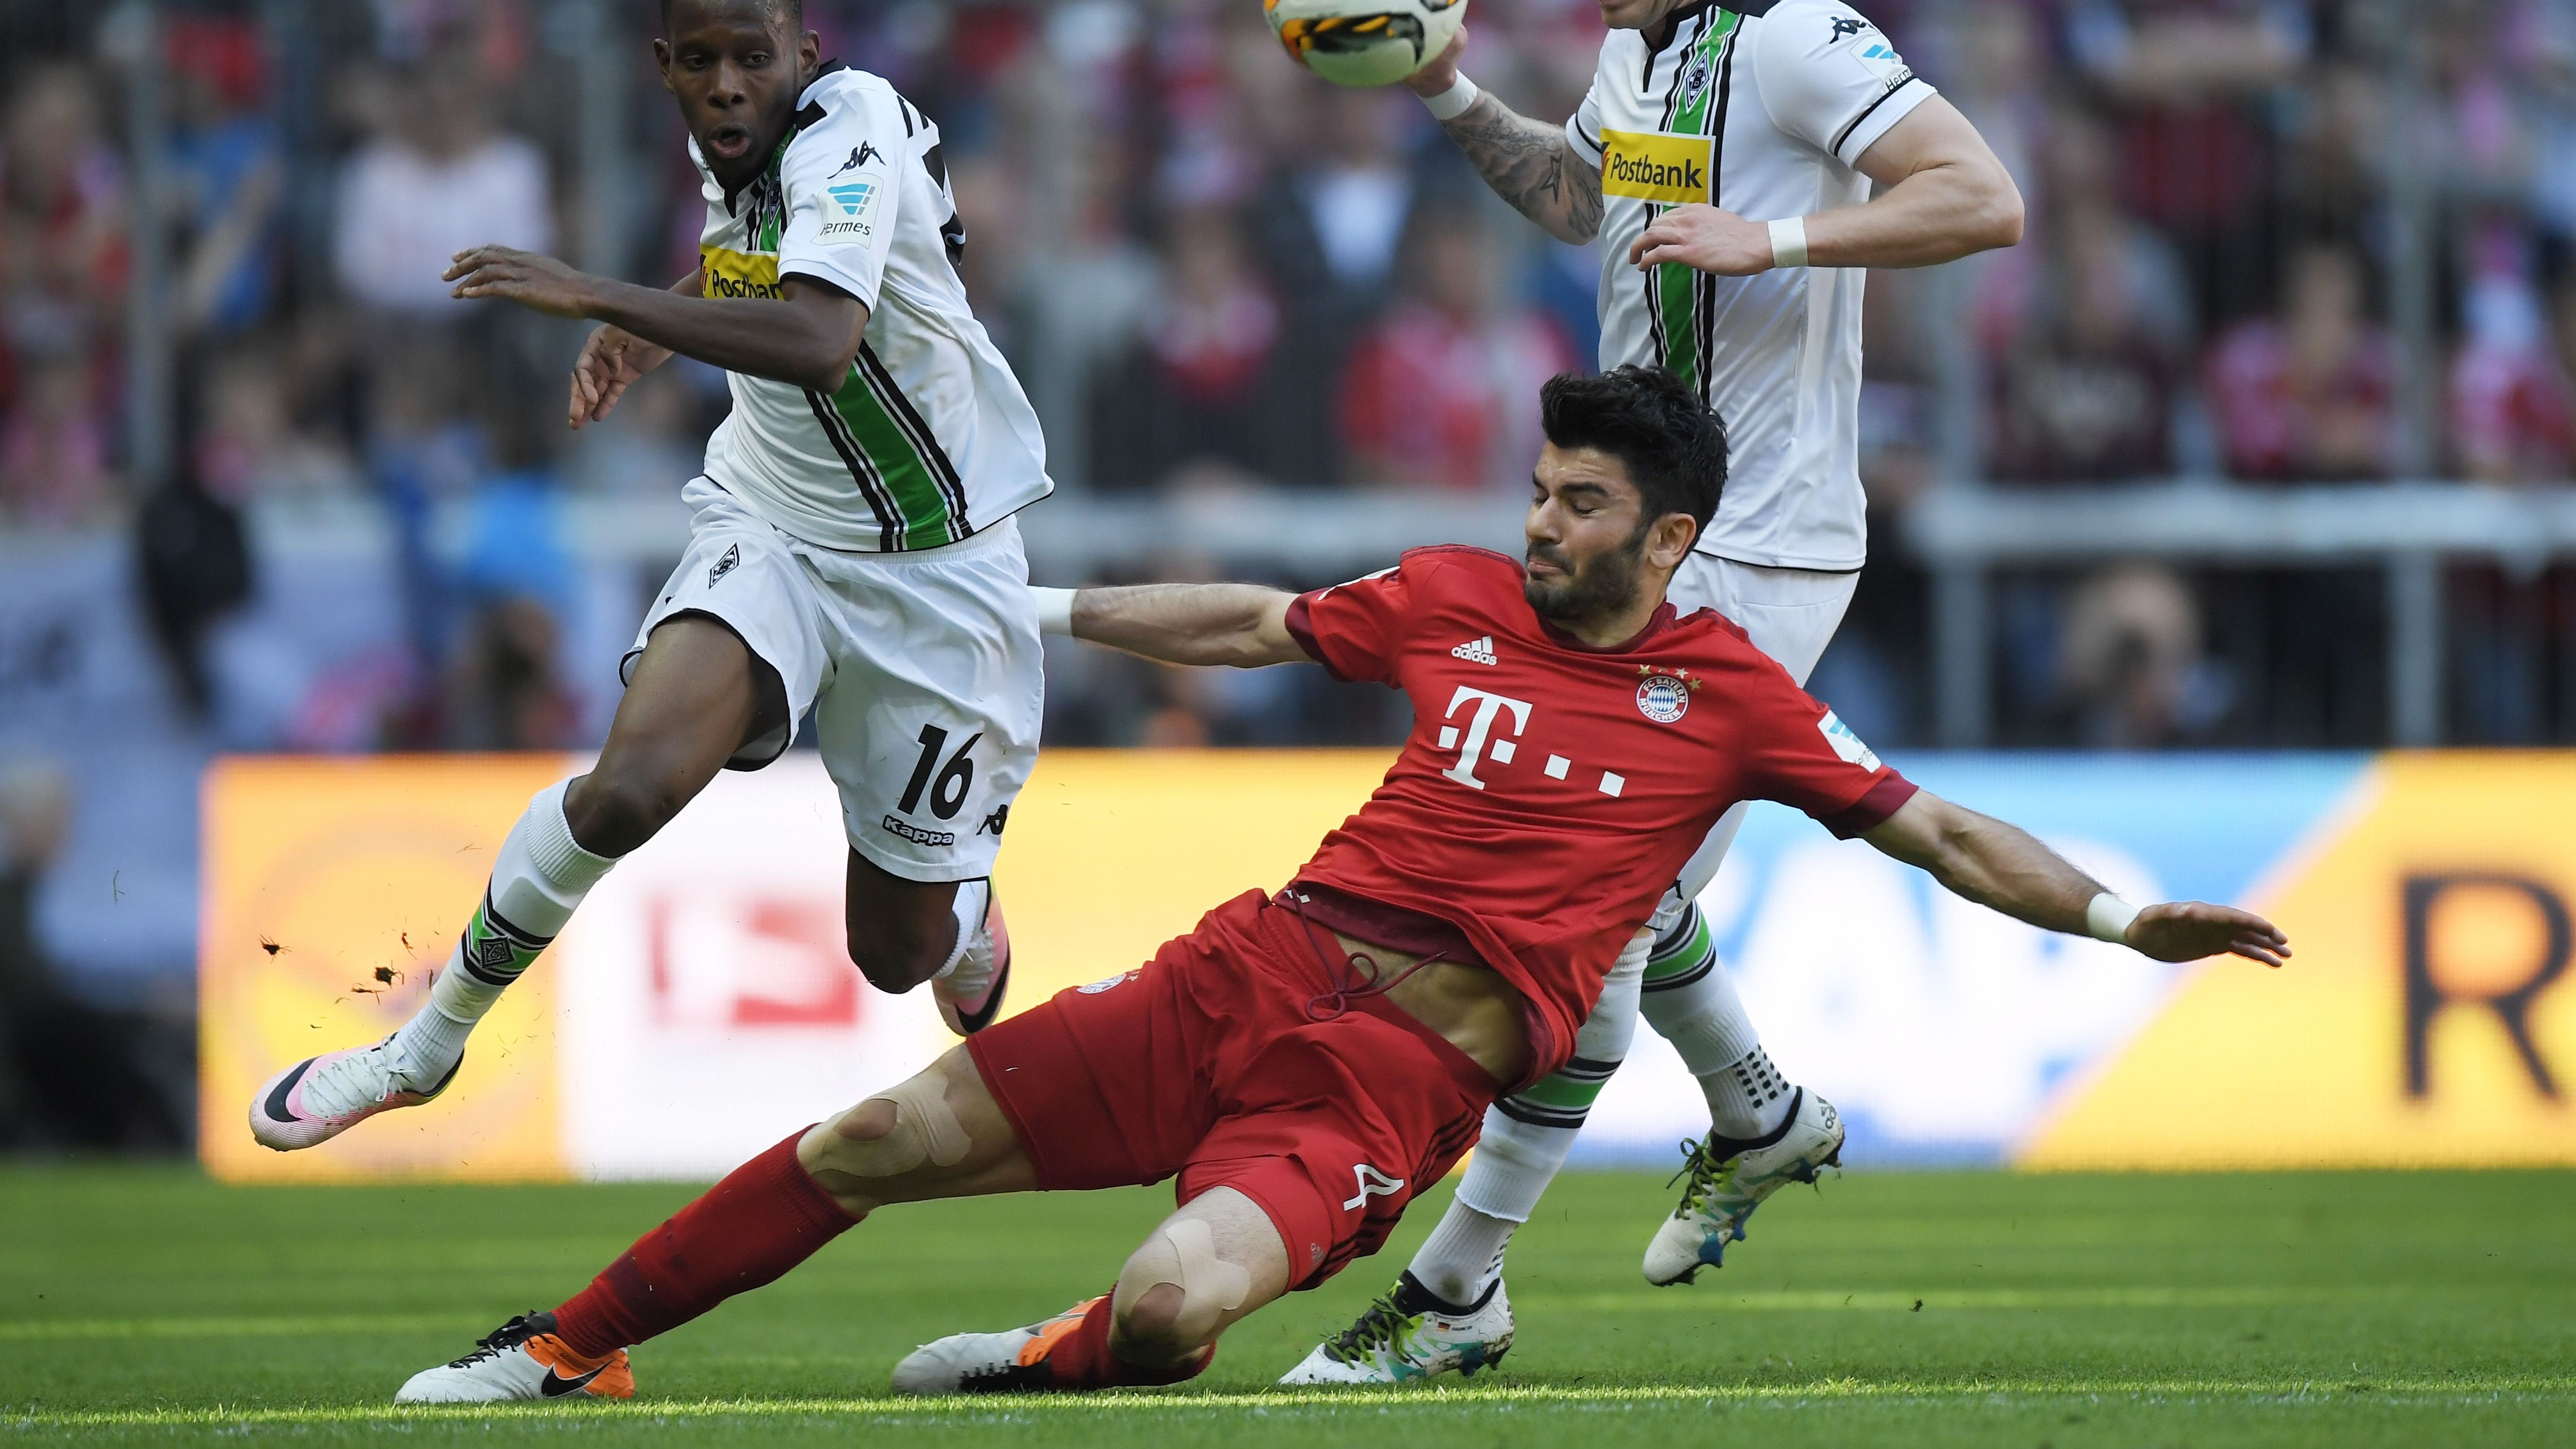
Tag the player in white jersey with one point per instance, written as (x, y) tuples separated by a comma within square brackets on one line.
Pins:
[(852, 553), (1725, 158)]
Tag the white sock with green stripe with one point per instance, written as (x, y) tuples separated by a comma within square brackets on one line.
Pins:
[(538, 877), (1527, 1137), (1690, 1001)]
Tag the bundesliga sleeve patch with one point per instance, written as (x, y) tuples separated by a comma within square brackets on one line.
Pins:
[(1845, 743), (1653, 166)]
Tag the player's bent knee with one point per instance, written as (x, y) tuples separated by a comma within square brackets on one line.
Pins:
[(1175, 1292), (897, 954), (895, 1132), (612, 813)]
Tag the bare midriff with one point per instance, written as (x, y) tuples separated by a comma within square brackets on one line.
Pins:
[(1470, 1007)]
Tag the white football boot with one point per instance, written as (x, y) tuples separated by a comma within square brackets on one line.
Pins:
[(1729, 1178), (321, 1097), (1008, 1362), (969, 993), (1406, 1334), (522, 1360)]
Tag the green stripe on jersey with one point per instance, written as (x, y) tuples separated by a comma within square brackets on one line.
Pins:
[(1677, 286), (907, 474)]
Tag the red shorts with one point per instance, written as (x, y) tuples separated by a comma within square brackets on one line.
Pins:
[(1205, 1065)]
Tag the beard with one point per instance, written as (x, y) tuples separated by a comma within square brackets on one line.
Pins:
[(1597, 589)]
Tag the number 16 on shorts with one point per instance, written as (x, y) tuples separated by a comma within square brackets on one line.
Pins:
[(941, 783)]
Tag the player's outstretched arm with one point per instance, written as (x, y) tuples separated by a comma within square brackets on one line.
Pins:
[(1941, 195), (2001, 867), (806, 337), (1244, 625), (1528, 163)]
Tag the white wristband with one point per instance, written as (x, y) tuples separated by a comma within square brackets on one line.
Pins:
[(1789, 242), (1452, 103), (2107, 917), (1055, 609)]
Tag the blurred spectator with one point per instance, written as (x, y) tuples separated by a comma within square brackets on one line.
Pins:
[(2129, 660), (1192, 390), (2193, 154), (249, 446), (1444, 391), (436, 181), (2312, 395), (2088, 388), (53, 449), (68, 1073), (63, 254), (2510, 407), (226, 174), (1329, 225)]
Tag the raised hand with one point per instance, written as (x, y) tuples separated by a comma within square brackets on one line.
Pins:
[(611, 359), (535, 281), (2190, 930)]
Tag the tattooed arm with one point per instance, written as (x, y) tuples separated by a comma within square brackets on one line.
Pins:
[(1528, 163)]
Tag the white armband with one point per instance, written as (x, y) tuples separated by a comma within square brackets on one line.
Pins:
[(2108, 918), (1789, 242), (1055, 609), (1452, 103)]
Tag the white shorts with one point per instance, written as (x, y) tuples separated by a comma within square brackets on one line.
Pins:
[(922, 670), (1789, 614)]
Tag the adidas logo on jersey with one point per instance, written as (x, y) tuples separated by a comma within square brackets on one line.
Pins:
[(1476, 651)]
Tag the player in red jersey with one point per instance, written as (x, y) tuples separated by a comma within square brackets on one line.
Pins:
[(1303, 1063)]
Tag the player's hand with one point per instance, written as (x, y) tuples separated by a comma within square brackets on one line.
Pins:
[(609, 361), (1706, 239), (2189, 930), (532, 280), (1441, 71)]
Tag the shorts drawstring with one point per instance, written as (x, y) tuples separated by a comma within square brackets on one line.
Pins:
[(1346, 988)]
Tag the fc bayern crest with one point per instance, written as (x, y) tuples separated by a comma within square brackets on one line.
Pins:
[(1663, 698)]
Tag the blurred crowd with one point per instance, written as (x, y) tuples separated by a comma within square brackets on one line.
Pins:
[(1214, 272)]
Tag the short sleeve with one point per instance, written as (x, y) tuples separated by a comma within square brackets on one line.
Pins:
[(1801, 754), (1356, 629), (1583, 128), (841, 183), (1831, 78)]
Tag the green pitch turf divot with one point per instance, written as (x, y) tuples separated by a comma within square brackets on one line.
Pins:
[(143, 1305)]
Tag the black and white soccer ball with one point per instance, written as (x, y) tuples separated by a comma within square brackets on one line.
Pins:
[(1364, 42)]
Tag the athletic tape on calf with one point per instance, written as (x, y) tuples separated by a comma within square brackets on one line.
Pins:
[(1210, 1286), (925, 1130)]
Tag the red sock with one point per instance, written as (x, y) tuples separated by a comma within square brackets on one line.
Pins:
[(764, 1219), (1082, 1360)]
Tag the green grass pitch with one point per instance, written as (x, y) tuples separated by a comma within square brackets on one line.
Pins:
[(1890, 1308)]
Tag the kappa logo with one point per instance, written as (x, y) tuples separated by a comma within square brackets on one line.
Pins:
[(860, 155), (1372, 1183), (1476, 651), (732, 560), (994, 822), (1847, 25), (914, 833)]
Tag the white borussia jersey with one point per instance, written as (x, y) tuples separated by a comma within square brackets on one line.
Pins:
[(929, 438), (1761, 110)]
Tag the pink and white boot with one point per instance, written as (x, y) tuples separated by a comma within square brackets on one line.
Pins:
[(321, 1097)]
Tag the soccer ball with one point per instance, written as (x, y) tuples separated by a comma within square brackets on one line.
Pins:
[(1364, 42)]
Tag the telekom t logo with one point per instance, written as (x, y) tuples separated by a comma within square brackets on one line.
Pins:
[(1478, 728)]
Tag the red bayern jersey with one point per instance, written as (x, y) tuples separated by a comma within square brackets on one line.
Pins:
[(1550, 792)]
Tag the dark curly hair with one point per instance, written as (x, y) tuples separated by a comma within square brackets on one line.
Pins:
[(1651, 421), (794, 10)]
